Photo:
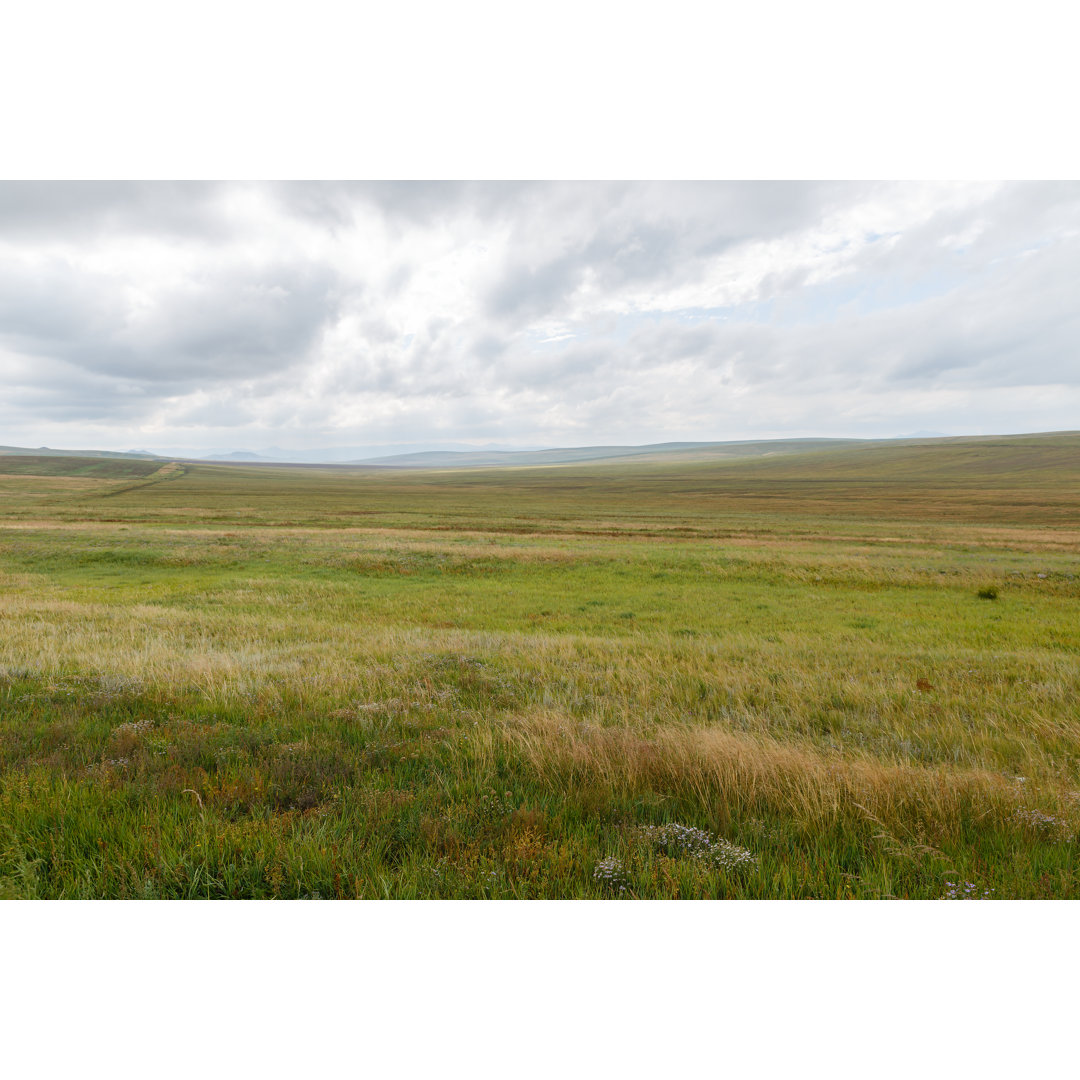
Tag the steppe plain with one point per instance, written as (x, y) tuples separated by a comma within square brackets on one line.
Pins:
[(843, 672)]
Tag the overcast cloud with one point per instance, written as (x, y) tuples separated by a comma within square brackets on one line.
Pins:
[(238, 315)]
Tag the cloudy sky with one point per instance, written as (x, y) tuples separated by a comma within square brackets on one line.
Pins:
[(248, 315)]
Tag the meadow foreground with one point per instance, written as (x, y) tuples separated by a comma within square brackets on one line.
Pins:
[(844, 674)]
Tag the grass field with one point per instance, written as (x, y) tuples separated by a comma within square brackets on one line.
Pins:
[(851, 672)]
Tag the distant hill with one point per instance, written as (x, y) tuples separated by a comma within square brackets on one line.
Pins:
[(239, 455), (1034, 456), (672, 451), (99, 466), (45, 451), (1044, 456), (326, 455)]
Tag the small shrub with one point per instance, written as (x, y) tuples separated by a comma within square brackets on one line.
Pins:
[(611, 872), (674, 840), (989, 593), (965, 890), (1045, 824)]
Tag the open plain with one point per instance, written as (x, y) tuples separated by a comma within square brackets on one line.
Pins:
[(845, 672)]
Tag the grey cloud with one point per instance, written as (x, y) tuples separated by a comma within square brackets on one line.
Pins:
[(1018, 326), (1010, 219), (528, 292), (62, 209), (632, 234), (73, 395), (489, 347), (222, 323), (420, 203), (377, 330)]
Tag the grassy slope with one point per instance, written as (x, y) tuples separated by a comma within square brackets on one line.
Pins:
[(45, 452), (58, 465), (280, 682)]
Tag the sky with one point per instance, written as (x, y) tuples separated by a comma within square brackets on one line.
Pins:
[(209, 317)]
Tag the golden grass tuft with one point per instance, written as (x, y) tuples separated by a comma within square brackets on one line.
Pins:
[(731, 776)]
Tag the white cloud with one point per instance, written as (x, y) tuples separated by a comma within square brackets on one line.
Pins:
[(313, 314)]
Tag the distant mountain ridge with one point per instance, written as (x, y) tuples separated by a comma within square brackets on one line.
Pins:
[(490, 457), (239, 455), (450, 459), (46, 451), (326, 455)]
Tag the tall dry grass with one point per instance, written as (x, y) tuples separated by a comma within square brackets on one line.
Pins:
[(731, 776)]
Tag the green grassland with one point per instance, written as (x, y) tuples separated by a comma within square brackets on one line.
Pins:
[(851, 671)]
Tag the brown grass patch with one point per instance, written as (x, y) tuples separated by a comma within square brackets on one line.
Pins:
[(735, 775)]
